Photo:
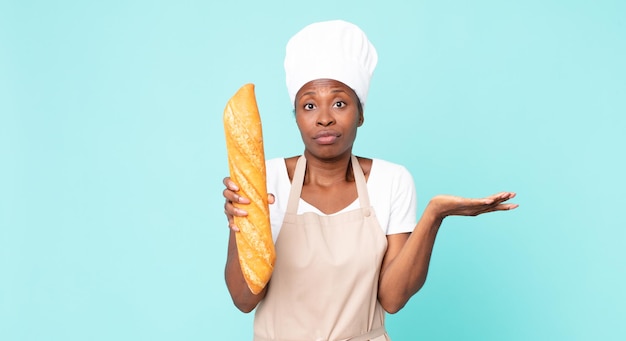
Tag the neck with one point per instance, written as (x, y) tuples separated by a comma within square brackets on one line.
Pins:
[(328, 172)]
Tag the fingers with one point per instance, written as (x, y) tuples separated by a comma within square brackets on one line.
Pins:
[(506, 207), (492, 203), (233, 211), (504, 196), (498, 198), (230, 210), (230, 192), (230, 184), (231, 220), (232, 198), (497, 202)]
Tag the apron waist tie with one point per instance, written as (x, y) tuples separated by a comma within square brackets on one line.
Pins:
[(374, 333)]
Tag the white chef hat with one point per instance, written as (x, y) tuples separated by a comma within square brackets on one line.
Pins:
[(334, 49)]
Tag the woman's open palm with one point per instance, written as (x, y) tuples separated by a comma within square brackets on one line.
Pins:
[(450, 205)]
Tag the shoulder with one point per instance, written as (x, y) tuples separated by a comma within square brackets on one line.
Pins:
[(390, 177), (281, 167), (275, 164), (388, 169), (393, 195), (275, 169)]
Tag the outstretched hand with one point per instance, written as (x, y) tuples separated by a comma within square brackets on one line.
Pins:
[(449, 205)]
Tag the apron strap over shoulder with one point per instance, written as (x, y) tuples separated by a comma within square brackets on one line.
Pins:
[(296, 186), (361, 185)]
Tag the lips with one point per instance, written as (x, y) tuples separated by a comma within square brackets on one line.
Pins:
[(326, 136)]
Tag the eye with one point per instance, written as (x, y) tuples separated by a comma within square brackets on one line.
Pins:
[(340, 104), (309, 106)]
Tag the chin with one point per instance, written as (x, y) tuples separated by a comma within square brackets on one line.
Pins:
[(328, 154)]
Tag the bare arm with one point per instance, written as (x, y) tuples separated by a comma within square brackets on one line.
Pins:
[(406, 261), (242, 297)]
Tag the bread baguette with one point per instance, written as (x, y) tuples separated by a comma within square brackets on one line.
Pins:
[(246, 161)]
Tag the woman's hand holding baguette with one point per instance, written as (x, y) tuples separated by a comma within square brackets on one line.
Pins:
[(231, 196)]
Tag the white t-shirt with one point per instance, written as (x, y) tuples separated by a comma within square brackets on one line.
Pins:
[(390, 187)]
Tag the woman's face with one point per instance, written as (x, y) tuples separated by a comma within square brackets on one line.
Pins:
[(328, 114)]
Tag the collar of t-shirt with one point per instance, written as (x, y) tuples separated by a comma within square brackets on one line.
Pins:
[(304, 207)]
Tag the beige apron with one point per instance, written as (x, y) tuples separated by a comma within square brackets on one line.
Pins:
[(325, 281)]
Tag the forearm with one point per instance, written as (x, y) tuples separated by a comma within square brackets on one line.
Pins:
[(242, 297), (405, 275)]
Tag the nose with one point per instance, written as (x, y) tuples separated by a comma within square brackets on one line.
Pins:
[(325, 118)]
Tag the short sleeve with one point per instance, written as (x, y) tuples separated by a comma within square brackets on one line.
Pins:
[(279, 185), (402, 215)]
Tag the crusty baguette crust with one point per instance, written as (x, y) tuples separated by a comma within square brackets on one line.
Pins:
[(246, 161)]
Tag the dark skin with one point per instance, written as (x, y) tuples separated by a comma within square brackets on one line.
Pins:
[(328, 115)]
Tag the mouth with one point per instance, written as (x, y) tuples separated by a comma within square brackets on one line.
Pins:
[(326, 137)]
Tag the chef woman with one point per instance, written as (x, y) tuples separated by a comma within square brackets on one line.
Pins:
[(348, 245)]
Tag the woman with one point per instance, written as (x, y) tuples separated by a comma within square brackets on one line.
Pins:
[(348, 247)]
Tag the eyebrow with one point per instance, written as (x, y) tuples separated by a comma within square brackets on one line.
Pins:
[(313, 92)]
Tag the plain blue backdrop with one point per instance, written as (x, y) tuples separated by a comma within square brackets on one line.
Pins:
[(112, 155)]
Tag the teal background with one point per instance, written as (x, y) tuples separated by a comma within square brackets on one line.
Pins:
[(112, 155)]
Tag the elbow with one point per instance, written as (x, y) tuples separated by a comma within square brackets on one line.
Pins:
[(243, 299), (244, 307), (246, 302), (393, 304), (393, 308), (395, 300)]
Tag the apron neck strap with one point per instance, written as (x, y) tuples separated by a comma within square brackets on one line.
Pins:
[(296, 186), (361, 185), (298, 179)]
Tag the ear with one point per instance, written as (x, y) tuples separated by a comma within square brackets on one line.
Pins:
[(360, 111)]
